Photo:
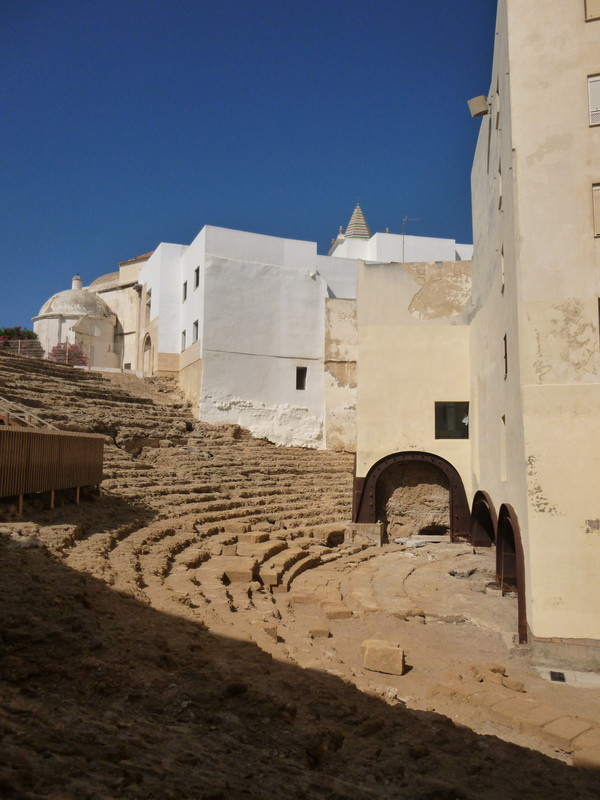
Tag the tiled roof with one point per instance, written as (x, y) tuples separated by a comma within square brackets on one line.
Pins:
[(137, 258), (358, 227)]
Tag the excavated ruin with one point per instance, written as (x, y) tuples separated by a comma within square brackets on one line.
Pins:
[(196, 631)]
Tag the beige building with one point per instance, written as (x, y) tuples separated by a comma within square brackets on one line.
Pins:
[(520, 357)]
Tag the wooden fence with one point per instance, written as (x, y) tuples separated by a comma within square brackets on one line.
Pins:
[(33, 460)]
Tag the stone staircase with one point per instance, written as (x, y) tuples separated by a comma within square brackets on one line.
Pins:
[(188, 509)]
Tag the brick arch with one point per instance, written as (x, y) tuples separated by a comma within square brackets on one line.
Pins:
[(510, 563), (484, 520), (364, 506)]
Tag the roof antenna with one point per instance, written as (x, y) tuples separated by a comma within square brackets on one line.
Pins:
[(404, 221)]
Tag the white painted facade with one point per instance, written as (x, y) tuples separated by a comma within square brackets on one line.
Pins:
[(240, 319)]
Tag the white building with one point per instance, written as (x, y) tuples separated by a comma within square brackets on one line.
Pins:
[(250, 325)]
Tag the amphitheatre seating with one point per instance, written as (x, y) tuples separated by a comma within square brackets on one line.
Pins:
[(188, 493)]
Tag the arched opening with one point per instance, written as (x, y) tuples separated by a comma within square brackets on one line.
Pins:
[(417, 482), (510, 563), (413, 498), (484, 521), (147, 356)]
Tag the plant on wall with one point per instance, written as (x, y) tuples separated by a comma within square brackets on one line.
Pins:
[(71, 354), (20, 341)]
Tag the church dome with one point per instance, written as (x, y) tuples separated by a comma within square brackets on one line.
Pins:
[(75, 303)]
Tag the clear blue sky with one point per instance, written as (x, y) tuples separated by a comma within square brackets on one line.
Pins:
[(125, 123)]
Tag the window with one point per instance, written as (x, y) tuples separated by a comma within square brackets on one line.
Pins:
[(505, 357), (148, 306), (195, 331), (452, 420), (594, 96), (592, 9), (196, 277), (184, 292), (596, 200), (502, 267), (300, 378), (183, 340)]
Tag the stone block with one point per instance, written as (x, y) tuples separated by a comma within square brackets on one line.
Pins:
[(236, 569), (541, 715), (513, 685), (253, 536), (319, 632), (561, 732), (336, 611), (510, 712), (331, 534), (588, 739), (383, 656), (233, 527)]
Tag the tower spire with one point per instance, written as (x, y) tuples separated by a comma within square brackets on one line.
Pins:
[(358, 227)]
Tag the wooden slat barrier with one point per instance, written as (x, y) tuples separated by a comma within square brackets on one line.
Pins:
[(33, 460)]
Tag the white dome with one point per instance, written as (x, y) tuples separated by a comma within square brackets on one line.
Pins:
[(75, 303)]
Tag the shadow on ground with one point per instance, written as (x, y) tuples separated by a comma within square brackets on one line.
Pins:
[(103, 697)]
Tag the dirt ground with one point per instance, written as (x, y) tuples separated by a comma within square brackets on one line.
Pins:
[(131, 666)]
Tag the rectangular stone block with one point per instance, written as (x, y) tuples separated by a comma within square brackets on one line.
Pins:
[(383, 657), (237, 569), (511, 712), (336, 611), (561, 732), (253, 536), (540, 715)]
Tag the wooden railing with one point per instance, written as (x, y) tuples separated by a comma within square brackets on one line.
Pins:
[(33, 460)]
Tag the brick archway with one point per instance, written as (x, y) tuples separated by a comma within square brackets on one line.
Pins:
[(510, 563), (484, 520), (364, 506)]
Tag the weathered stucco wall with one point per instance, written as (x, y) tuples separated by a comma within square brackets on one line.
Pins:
[(412, 352), (190, 374), (537, 282), (263, 321), (341, 353)]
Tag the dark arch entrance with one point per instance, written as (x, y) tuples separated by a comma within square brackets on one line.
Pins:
[(510, 563), (147, 356), (370, 492), (484, 520)]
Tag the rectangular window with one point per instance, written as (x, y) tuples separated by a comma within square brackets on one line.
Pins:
[(502, 267), (505, 357), (594, 98), (183, 340), (592, 9), (184, 292), (452, 420), (148, 306), (596, 201), (196, 277), (300, 378), (195, 331)]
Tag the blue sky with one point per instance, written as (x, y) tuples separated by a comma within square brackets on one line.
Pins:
[(129, 122)]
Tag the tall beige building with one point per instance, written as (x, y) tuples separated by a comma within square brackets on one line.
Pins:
[(535, 361), (494, 398)]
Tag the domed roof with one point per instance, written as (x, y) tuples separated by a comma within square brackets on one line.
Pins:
[(75, 303)]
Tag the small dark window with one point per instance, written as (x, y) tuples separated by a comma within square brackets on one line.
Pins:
[(184, 293), (196, 277), (195, 331), (452, 420), (300, 378), (505, 357)]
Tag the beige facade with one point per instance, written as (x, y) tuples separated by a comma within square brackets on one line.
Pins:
[(535, 337)]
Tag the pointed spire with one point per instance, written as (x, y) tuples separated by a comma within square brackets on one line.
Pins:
[(358, 227)]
